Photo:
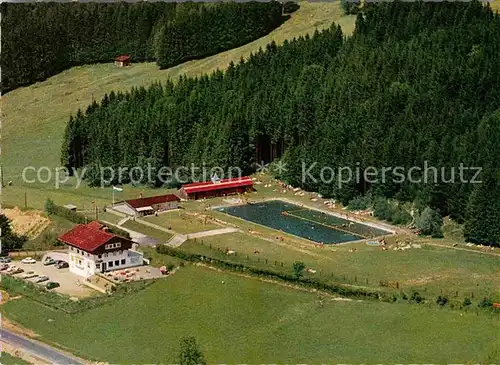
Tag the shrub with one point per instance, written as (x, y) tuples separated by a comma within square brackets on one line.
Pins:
[(467, 302), (359, 203), (430, 223), (442, 301), (416, 297), (290, 7), (485, 303), (298, 268)]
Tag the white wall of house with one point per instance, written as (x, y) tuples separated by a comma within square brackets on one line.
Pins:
[(81, 263), (85, 264)]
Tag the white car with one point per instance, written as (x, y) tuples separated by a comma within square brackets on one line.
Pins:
[(29, 274), (28, 260)]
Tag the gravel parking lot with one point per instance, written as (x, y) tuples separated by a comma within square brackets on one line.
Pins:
[(70, 283)]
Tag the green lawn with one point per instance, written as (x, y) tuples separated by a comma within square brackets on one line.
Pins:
[(148, 231), (181, 222), (247, 321), (110, 217), (7, 359), (34, 117), (429, 270)]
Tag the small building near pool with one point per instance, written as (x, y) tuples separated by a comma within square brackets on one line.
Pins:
[(147, 206), (209, 189), (93, 249)]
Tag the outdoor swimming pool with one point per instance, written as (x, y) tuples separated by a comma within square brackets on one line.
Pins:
[(303, 222)]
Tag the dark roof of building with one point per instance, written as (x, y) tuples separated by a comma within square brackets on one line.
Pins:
[(147, 202), (122, 58), (87, 237), (220, 185)]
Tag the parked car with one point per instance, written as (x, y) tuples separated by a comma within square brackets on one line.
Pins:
[(62, 264), (49, 261), (52, 285), (41, 279), (11, 268), (5, 260), (28, 260), (29, 274), (16, 270)]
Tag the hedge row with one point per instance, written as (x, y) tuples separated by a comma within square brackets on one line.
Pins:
[(285, 276), (78, 218), (62, 302)]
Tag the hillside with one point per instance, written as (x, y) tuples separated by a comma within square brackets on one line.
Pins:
[(35, 116), (416, 86)]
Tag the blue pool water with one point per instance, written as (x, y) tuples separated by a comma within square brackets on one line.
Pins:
[(306, 223)]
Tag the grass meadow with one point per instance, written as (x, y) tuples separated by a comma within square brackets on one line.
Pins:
[(161, 236), (34, 117), (181, 222), (242, 320), (432, 271), (7, 359)]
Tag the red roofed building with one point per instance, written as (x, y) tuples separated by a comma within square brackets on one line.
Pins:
[(145, 206), (91, 249), (122, 61), (222, 187)]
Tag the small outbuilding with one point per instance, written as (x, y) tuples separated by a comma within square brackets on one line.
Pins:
[(146, 206), (122, 61)]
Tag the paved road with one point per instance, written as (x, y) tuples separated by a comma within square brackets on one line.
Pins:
[(38, 349)]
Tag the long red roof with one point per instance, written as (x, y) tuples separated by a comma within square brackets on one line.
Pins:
[(146, 202), (87, 237), (222, 184), (122, 58)]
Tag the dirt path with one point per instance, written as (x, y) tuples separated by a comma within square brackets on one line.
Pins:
[(212, 232), (459, 248)]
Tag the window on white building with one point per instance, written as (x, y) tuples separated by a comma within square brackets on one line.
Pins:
[(117, 262), (123, 262), (99, 256), (110, 264)]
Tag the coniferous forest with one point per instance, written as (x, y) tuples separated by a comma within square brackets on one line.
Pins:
[(42, 39), (416, 82)]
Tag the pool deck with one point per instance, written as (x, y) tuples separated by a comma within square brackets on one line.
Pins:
[(381, 226)]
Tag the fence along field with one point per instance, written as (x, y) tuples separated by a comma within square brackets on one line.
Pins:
[(258, 322)]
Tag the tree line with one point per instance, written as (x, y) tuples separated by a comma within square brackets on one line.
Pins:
[(417, 83), (42, 39)]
